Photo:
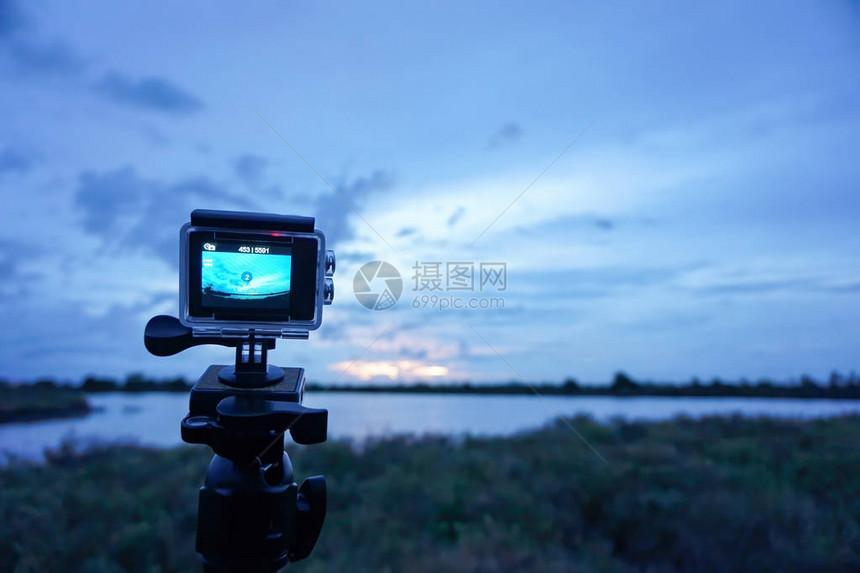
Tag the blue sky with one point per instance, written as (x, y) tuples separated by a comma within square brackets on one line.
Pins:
[(706, 223)]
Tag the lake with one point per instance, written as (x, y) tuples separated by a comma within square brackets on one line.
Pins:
[(153, 418)]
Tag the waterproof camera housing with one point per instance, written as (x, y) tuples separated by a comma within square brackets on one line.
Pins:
[(253, 273)]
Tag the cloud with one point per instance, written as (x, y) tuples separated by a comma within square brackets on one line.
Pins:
[(508, 134), (774, 276), (107, 198), (408, 351), (154, 93), (585, 222), (249, 168), (335, 214), (755, 287), (456, 216), (155, 136), (16, 280), (764, 286), (597, 282), (13, 160), (145, 214), (11, 18), (345, 258), (20, 267), (45, 58), (27, 53), (53, 337)]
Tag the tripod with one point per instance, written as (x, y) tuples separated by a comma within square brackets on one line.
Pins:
[(252, 517)]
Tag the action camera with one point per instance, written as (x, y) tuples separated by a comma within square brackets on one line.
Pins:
[(247, 279), (253, 272)]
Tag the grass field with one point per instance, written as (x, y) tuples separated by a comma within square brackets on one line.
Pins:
[(719, 494)]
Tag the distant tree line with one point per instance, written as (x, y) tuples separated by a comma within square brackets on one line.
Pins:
[(837, 386), (40, 401), (134, 383)]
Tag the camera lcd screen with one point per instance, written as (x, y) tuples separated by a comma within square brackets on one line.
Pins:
[(245, 275), (240, 277)]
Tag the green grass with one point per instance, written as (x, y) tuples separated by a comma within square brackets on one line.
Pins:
[(720, 494)]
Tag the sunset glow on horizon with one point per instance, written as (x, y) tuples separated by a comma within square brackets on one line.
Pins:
[(391, 369)]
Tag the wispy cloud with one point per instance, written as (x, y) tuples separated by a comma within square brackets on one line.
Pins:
[(153, 93), (12, 159), (14, 254), (575, 222), (55, 57), (771, 279), (455, 216), (249, 168), (140, 213), (508, 134), (336, 215), (11, 17), (28, 53)]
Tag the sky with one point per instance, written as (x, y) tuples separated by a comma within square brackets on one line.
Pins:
[(671, 188)]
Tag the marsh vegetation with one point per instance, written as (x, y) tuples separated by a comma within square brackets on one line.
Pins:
[(718, 494)]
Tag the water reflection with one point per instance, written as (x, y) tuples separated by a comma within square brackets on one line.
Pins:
[(153, 419)]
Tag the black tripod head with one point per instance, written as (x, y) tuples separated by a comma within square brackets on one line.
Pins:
[(246, 280), (251, 515), (249, 398)]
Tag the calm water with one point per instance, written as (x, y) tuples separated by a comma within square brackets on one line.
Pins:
[(153, 419)]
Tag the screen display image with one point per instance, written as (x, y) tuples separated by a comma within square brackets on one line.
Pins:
[(245, 275)]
